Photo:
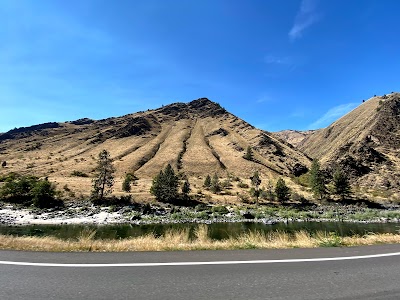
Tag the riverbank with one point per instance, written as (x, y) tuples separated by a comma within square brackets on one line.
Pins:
[(138, 214), (174, 240)]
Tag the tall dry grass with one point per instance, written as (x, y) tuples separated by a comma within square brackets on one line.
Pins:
[(181, 240)]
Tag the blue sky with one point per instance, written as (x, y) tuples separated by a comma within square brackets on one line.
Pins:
[(297, 64)]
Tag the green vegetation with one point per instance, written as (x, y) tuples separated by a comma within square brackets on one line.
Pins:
[(341, 185), (103, 181), (29, 190), (165, 185), (129, 179), (317, 180), (186, 189), (255, 182), (249, 154), (215, 184), (207, 182), (79, 174), (282, 191)]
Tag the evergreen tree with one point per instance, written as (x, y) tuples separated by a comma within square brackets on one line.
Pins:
[(186, 189), (317, 180), (207, 182), (255, 182), (282, 191), (165, 185), (341, 184), (215, 184), (103, 182), (126, 184), (249, 154)]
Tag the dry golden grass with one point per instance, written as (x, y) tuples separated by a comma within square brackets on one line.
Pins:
[(324, 144), (69, 148), (180, 240)]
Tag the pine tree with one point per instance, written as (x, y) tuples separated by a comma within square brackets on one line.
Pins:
[(341, 184), (256, 181), (126, 184), (282, 191), (207, 182), (249, 154), (317, 180), (186, 189), (215, 184), (103, 182), (165, 185)]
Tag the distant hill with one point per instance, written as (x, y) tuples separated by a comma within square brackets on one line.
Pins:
[(364, 142), (294, 137)]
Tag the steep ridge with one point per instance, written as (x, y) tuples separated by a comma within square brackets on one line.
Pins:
[(365, 143), (197, 138)]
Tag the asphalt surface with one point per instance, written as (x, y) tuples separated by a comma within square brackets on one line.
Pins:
[(365, 278)]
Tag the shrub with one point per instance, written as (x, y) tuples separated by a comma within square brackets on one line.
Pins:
[(79, 174), (43, 193), (220, 210), (242, 185), (129, 179), (30, 190)]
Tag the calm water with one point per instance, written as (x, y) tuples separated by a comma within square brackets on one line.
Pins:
[(216, 230)]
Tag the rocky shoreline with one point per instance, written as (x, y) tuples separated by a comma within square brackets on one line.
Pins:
[(72, 213)]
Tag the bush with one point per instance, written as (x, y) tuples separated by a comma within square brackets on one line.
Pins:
[(242, 185), (222, 210), (79, 174), (129, 179), (30, 190), (43, 193)]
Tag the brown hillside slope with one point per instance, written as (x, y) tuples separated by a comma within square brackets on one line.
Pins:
[(365, 142), (294, 137), (197, 138)]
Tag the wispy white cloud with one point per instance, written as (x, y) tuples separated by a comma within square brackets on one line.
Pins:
[(275, 60), (332, 115), (306, 16)]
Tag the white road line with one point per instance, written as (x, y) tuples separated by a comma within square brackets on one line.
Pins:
[(198, 263)]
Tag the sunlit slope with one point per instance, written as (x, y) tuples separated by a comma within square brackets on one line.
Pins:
[(365, 142), (197, 138)]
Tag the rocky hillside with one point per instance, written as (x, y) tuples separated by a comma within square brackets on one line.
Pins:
[(197, 138), (365, 142), (294, 137)]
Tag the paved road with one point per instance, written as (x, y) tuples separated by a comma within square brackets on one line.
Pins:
[(365, 278)]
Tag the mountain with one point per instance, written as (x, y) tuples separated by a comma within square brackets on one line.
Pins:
[(294, 137), (197, 138), (365, 143)]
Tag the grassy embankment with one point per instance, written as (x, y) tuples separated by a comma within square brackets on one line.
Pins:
[(179, 240)]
